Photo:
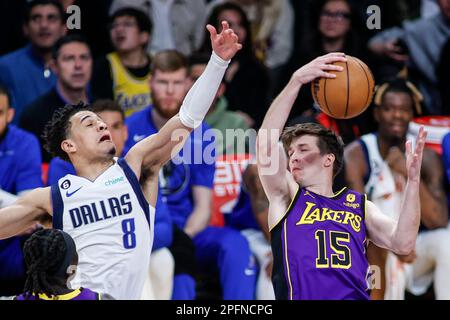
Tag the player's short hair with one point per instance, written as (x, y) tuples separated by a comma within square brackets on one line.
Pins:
[(327, 141), (47, 254), (5, 91), (107, 105), (143, 21), (31, 4), (66, 40), (168, 61), (57, 129)]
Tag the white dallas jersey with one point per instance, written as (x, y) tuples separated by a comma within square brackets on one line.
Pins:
[(112, 225)]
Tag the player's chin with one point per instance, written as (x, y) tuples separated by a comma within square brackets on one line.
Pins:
[(112, 151)]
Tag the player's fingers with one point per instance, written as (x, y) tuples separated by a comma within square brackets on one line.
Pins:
[(327, 75), (408, 147), (331, 67), (212, 31), (225, 25)]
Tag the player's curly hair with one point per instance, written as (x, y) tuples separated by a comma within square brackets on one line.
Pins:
[(44, 252), (57, 129), (328, 141)]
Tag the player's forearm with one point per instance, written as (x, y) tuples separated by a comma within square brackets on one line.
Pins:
[(15, 219), (200, 97), (405, 234), (276, 117)]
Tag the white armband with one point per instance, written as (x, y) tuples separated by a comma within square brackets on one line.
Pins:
[(200, 97)]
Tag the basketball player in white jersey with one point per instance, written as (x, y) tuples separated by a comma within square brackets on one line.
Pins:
[(108, 207)]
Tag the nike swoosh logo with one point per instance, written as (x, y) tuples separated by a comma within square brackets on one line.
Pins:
[(137, 137), (69, 194), (249, 272)]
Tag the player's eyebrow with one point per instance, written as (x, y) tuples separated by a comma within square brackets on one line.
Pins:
[(85, 117)]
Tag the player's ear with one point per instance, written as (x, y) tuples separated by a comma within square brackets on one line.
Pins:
[(329, 160), (68, 146)]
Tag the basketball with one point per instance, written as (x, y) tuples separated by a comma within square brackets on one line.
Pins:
[(347, 95)]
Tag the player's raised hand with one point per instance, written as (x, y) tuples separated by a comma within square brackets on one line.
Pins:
[(225, 44), (319, 67), (414, 158)]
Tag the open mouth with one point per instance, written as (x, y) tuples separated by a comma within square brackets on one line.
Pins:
[(105, 137)]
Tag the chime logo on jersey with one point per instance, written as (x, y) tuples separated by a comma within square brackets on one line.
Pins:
[(101, 210)]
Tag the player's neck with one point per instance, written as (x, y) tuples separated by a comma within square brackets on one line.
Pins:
[(90, 170), (321, 185)]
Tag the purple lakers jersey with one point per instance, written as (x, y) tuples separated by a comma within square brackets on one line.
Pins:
[(319, 248), (79, 294)]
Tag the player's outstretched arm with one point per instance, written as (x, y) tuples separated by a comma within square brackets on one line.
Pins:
[(157, 149), (400, 236), (25, 212), (271, 158)]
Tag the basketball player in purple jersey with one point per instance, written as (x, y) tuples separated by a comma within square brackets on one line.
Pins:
[(319, 238), (51, 258)]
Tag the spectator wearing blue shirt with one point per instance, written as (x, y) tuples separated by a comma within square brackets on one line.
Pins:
[(20, 171), (161, 263), (25, 72), (72, 63), (186, 183)]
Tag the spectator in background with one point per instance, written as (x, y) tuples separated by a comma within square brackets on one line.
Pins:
[(272, 25), (376, 165), (20, 171), (186, 183), (218, 116), (178, 24), (26, 72), (72, 64), (124, 74), (247, 78), (159, 282), (418, 44), (335, 28)]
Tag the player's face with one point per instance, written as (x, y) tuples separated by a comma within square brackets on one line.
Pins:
[(6, 113), (45, 26), (168, 90), (305, 161), (334, 21), (89, 137), (74, 65), (445, 7), (234, 20), (117, 128), (394, 114), (126, 36)]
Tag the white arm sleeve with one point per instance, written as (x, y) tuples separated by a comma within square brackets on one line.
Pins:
[(201, 95)]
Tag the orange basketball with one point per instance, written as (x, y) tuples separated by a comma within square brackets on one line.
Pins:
[(347, 95)]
